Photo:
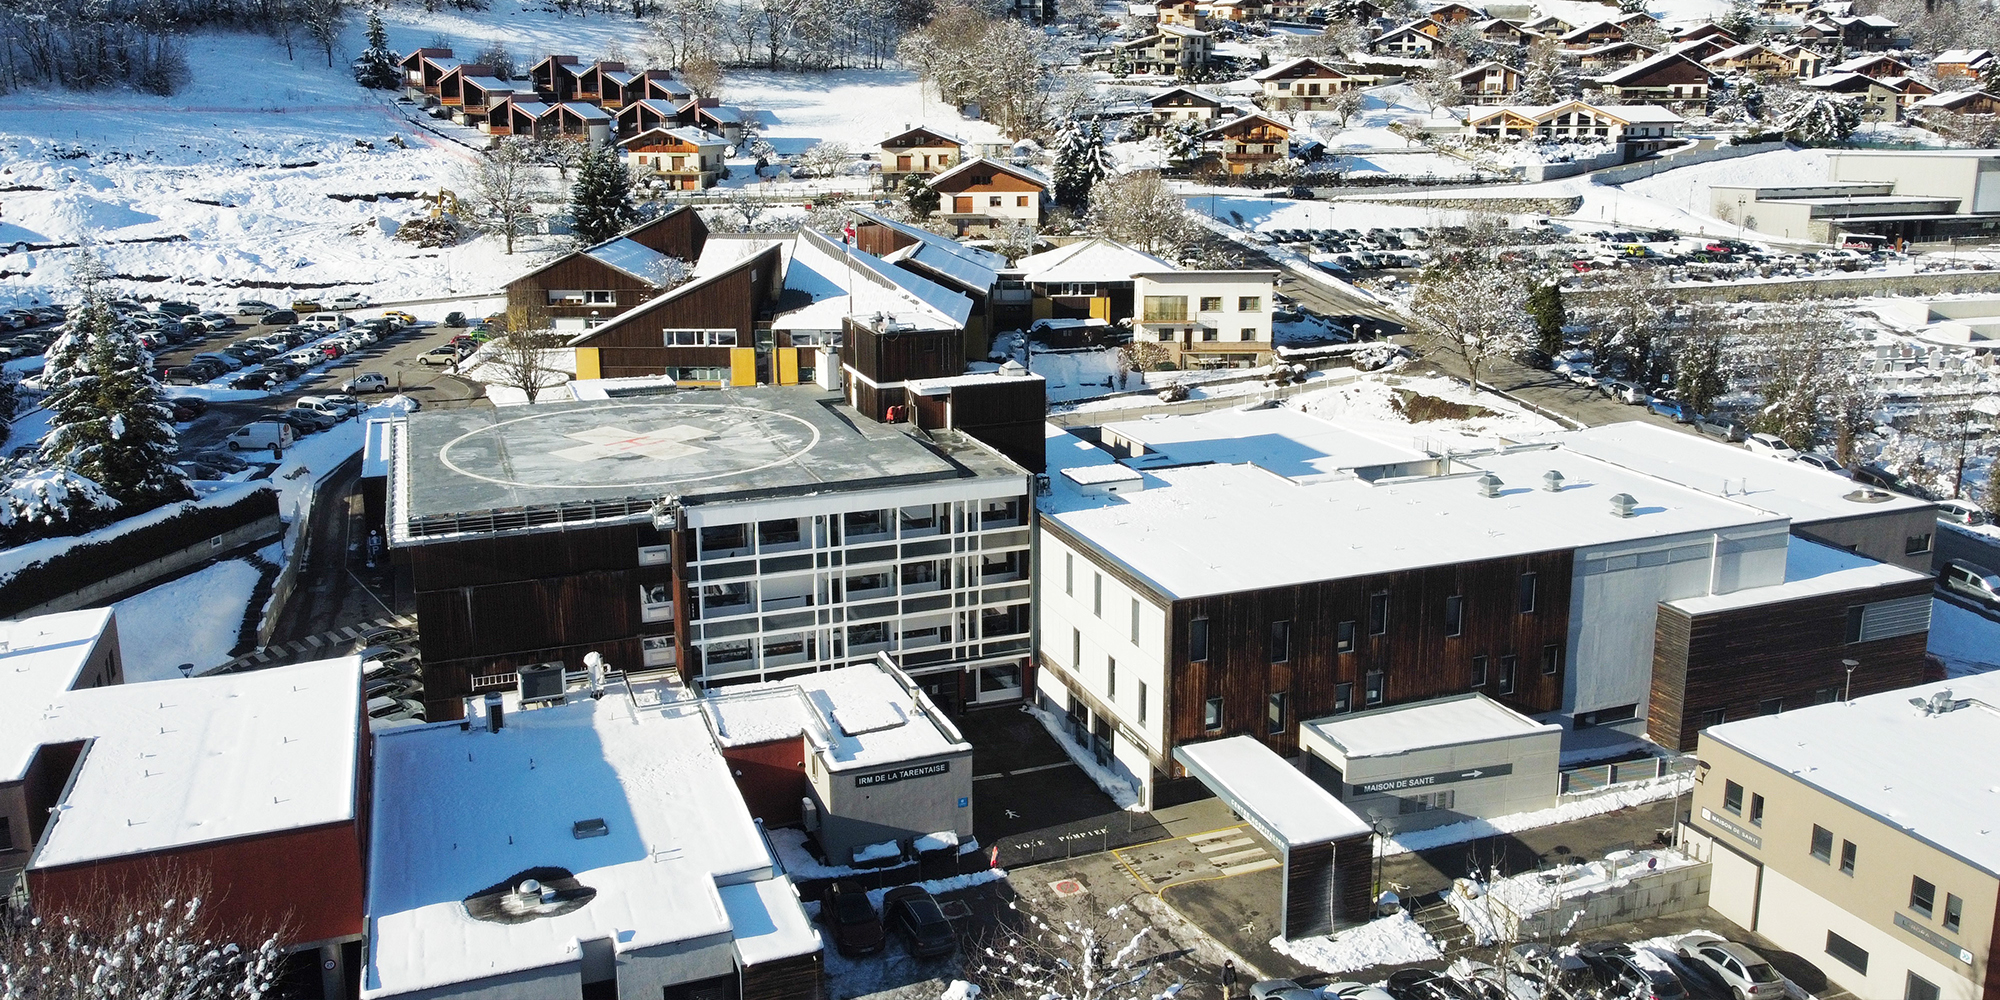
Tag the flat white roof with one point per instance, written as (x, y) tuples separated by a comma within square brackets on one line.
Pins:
[(861, 716), (1277, 798), (1934, 776), (1206, 529), (1291, 443), (1811, 569), (459, 812), (1385, 732), (40, 658), (1798, 491), (182, 762)]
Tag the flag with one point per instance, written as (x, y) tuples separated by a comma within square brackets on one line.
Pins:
[(847, 232)]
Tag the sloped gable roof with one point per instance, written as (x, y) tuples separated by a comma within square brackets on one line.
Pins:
[(1094, 259)]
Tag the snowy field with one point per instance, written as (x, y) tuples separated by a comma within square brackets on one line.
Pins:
[(1369, 405), (196, 619)]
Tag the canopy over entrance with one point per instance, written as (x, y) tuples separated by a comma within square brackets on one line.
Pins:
[(1328, 850)]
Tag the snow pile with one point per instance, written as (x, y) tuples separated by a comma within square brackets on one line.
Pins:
[(940, 886), (800, 864), (196, 619), (959, 990), (1395, 940), (1967, 642), (1120, 790), (877, 852), (940, 841), (1493, 910), (1379, 406), (1611, 799)]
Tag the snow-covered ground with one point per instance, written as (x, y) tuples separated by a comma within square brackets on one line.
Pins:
[(196, 619), (1610, 799), (1393, 940), (1967, 642), (1370, 405)]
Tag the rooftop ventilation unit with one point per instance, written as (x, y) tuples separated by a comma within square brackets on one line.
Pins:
[(495, 713), (1489, 484), (542, 682), (1940, 702), (1552, 481), (1623, 505), (584, 829), (1867, 495)]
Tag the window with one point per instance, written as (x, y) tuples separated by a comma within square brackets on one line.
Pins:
[(698, 338), (1251, 303), (725, 539), (1825, 696), (1198, 640), (1135, 621), (1021, 201), (1210, 335), (1343, 640), (1847, 952), (1378, 613), (1164, 308), (1373, 691), (1916, 987), (1855, 616), (6, 836), (865, 523), (1075, 648), (774, 533), (1069, 572), (1211, 303), (1426, 801), (1552, 658), (1343, 698), (993, 201), (1732, 797), (1247, 333), (1211, 715), (1274, 714), (1954, 907), (1714, 717), (1479, 671), (1111, 678), (1281, 641), (1454, 616), (1923, 896), (1097, 594), (1507, 664), (1822, 843), (1917, 544), (1527, 593), (1770, 706), (1756, 810), (1847, 857), (1078, 288)]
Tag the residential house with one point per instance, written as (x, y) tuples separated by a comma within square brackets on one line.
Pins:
[(1637, 129), (1456, 13), (1172, 50), (1962, 64), (422, 68), (555, 78), (1701, 48), (1592, 35), (969, 271), (1878, 100), (1869, 33), (451, 84), (614, 81), (649, 85), (684, 159), (1851, 834), (724, 120), (1612, 56), (1550, 25), (1488, 83), (1706, 29), (920, 150), (1909, 90), (581, 122), (1751, 59), (1806, 62), (1239, 11), (1668, 78), (1182, 104), (1304, 83), (1204, 319), (1185, 13), (1964, 102), (1881, 66), (1252, 143), (587, 287), (981, 194), (516, 115), (1417, 39), (652, 113), (1783, 8), (478, 97), (1090, 279), (1505, 33)]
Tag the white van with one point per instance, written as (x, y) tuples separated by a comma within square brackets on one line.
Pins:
[(326, 322), (320, 404), (1975, 582), (259, 436)]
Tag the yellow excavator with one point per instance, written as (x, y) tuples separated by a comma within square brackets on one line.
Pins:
[(446, 203)]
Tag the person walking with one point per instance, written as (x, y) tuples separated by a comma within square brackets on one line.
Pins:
[(1228, 978)]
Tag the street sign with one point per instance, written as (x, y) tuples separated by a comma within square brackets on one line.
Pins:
[(1440, 778)]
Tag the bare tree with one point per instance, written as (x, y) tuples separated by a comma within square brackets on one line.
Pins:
[(1138, 208), (825, 159), (496, 56), (323, 21), (1345, 105), (1473, 306), (504, 187), (702, 74), (1074, 953), (523, 360), (1804, 355)]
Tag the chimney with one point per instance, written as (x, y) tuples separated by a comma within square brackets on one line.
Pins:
[(1552, 481), (1489, 484), (495, 714), (1622, 505)]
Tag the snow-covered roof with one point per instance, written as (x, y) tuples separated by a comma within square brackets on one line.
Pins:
[(723, 251), (1094, 259), (856, 716), (1287, 66), (1929, 776), (978, 163), (459, 812), (721, 114), (841, 281), (1646, 66), (176, 763), (40, 658), (1844, 81), (587, 112), (1797, 491), (970, 266), (636, 259), (1948, 98), (490, 84), (1201, 530), (1811, 569), (1398, 729), (1963, 56), (1859, 63), (927, 130), (1743, 51), (1277, 798), (1304, 445), (533, 109)]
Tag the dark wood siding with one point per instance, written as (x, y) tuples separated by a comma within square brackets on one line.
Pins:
[(785, 979), (1417, 659), (1309, 895), (1353, 878), (578, 272), (1736, 659), (735, 299), (898, 357), (1006, 414)]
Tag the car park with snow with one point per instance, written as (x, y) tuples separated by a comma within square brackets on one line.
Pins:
[(856, 927), (366, 382), (351, 300), (1746, 974), (446, 355), (1772, 445), (914, 914), (1620, 968)]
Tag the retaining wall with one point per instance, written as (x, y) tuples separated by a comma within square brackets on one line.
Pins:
[(138, 576), (1680, 890)]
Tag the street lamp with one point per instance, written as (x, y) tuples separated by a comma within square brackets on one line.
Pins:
[(1850, 665)]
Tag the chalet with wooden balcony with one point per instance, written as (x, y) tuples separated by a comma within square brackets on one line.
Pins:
[(589, 286), (1415, 40), (1612, 56), (980, 194), (451, 85), (479, 96), (520, 116), (1304, 83), (1182, 104), (684, 159), (1488, 83), (1963, 102), (1962, 64), (652, 113), (1752, 59), (922, 150), (555, 78), (1455, 13), (423, 67), (1251, 144), (1668, 78)]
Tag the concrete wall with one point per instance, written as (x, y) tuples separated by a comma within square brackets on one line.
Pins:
[(1943, 176), (852, 817), (142, 575), (1681, 890), (1647, 168), (1881, 537), (645, 973), (1613, 599), (565, 980), (1531, 785), (1068, 602)]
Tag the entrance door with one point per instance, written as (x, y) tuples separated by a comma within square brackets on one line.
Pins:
[(942, 690)]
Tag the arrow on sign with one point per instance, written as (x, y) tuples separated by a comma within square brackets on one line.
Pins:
[(1470, 774)]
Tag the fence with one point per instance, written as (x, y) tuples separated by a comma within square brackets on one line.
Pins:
[(1598, 776), (298, 542)]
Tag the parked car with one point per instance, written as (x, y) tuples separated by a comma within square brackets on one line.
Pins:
[(402, 318), (187, 375), (1721, 427), (1971, 580), (334, 408), (193, 406), (316, 420), (258, 435), (327, 322), (1772, 445), (352, 300), (392, 687), (844, 907), (366, 382), (446, 355), (221, 459), (1821, 461), (1961, 512), (1746, 973), (201, 471), (916, 915), (279, 317), (386, 644), (1281, 989), (1672, 410), (394, 710), (1617, 966), (300, 425), (246, 308), (1624, 392), (1877, 476), (213, 319), (228, 362), (1354, 991), (454, 319), (304, 306), (1423, 984)]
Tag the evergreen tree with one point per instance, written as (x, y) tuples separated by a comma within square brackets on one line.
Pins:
[(1816, 119), (1072, 180), (110, 423), (1993, 488), (600, 203), (921, 197), (376, 68), (1545, 304)]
